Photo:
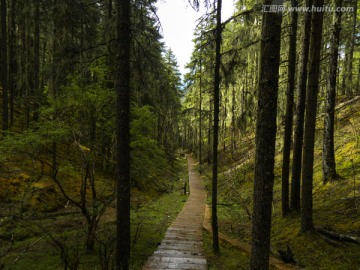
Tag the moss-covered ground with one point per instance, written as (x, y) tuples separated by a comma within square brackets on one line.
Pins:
[(47, 232), (336, 204), (41, 223)]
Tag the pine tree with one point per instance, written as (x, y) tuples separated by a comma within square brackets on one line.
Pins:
[(4, 66), (329, 165), (122, 87), (300, 112), (310, 119), (289, 110), (265, 138), (214, 218)]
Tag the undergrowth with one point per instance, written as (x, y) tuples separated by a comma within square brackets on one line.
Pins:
[(228, 258), (49, 233), (336, 204)]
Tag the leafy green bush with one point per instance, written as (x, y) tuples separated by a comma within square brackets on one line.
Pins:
[(149, 162)]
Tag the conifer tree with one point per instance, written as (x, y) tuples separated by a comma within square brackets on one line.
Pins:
[(300, 112), (122, 87), (4, 66), (289, 110), (265, 138), (329, 165), (310, 119), (214, 218)]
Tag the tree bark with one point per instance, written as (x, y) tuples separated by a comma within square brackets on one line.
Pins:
[(233, 124), (110, 8), (214, 218), (12, 59), (122, 87), (4, 66), (265, 138), (310, 119), (300, 114), (37, 61), (329, 165), (358, 79), (210, 130), (289, 111), (200, 114), (354, 32)]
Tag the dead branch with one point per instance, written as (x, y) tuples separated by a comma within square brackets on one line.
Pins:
[(26, 249)]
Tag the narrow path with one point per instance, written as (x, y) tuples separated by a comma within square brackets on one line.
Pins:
[(181, 247)]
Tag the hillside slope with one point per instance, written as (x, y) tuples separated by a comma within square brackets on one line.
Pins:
[(336, 204)]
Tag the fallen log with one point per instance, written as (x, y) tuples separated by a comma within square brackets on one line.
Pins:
[(342, 105), (338, 236)]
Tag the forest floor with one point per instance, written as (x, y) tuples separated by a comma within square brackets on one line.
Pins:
[(336, 204), (40, 230), (37, 218)]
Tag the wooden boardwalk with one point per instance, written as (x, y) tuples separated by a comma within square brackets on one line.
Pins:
[(181, 247)]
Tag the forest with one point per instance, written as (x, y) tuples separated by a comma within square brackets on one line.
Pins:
[(98, 128)]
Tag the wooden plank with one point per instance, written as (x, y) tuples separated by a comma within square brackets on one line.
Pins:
[(177, 260), (181, 248), (178, 253)]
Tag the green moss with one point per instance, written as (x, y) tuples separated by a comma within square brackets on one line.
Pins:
[(151, 222), (333, 203), (152, 213), (228, 258)]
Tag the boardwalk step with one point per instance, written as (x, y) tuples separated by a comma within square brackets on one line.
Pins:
[(181, 248), (178, 253)]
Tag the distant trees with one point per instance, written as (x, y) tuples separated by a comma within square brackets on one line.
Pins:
[(59, 80), (305, 76), (210, 47), (200, 83), (63, 79), (348, 42)]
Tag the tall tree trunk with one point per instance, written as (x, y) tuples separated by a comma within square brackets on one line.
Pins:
[(37, 61), (12, 59), (310, 119), (233, 127), (358, 79), (122, 87), (223, 118), (4, 66), (200, 115), (345, 67), (54, 81), (300, 113), (214, 218), (329, 165), (110, 8), (30, 72), (265, 138), (354, 32), (289, 111), (210, 129)]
